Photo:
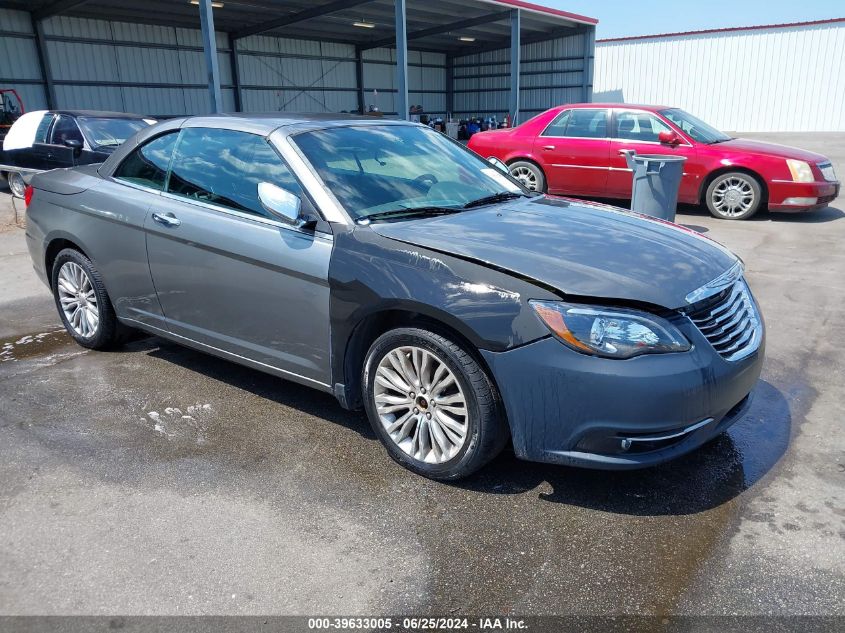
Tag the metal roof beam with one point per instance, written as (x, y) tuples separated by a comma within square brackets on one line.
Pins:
[(55, 8), (526, 39), (444, 28), (307, 14)]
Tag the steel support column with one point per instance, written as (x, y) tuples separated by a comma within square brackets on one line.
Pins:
[(359, 79), (236, 74), (401, 60), (586, 80), (44, 64), (209, 46), (515, 67), (450, 85)]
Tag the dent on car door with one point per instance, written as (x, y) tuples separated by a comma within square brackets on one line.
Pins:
[(639, 131), (574, 150), (227, 274)]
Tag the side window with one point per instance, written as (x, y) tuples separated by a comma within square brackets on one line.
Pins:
[(225, 166), (147, 165), (558, 126), (639, 126), (585, 123), (43, 128), (65, 129)]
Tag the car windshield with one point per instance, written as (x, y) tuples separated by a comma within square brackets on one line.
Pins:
[(694, 127), (108, 132), (402, 171)]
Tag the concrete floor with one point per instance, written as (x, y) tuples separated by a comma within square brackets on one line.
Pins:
[(273, 500)]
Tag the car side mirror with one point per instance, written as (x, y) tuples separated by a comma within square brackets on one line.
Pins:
[(73, 143), (281, 204), (498, 164), (669, 138)]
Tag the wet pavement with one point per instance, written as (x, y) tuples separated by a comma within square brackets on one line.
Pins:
[(158, 480)]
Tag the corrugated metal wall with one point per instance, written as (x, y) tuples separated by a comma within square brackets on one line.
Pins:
[(160, 70), (774, 79), (296, 75), (104, 65), (551, 73), (426, 80), (19, 67)]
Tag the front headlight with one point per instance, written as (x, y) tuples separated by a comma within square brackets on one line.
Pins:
[(609, 332), (801, 171)]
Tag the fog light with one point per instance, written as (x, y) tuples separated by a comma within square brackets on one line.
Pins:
[(625, 444), (800, 202)]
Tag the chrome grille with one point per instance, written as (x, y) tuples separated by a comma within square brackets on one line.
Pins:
[(730, 321)]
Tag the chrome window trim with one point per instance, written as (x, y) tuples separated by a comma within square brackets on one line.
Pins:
[(241, 215), (133, 185)]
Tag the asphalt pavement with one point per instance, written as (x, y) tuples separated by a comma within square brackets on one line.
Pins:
[(157, 480)]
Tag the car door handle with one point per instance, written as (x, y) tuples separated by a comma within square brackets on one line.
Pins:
[(167, 219), (547, 147)]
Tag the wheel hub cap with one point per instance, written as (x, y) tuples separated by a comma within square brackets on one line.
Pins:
[(78, 300), (421, 405), (733, 196)]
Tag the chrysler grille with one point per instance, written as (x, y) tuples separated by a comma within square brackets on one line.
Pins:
[(730, 321)]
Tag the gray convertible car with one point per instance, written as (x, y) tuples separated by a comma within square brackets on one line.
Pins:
[(384, 263)]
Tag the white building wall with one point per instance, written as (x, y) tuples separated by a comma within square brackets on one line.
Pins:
[(763, 80)]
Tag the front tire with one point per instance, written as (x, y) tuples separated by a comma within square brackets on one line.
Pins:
[(734, 196), (83, 304), (431, 404), (529, 174)]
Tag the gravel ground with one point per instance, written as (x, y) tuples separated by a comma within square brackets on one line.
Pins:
[(268, 498)]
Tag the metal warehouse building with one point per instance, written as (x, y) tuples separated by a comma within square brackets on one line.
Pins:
[(448, 56), (786, 77)]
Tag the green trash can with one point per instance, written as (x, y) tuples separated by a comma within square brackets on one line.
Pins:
[(657, 178)]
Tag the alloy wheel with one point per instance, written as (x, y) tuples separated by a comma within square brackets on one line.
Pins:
[(78, 299), (16, 184), (526, 176), (421, 405), (733, 196)]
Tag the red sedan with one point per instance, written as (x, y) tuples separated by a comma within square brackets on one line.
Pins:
[(575, 150)]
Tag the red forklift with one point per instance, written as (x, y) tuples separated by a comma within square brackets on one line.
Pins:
[(11, 108)]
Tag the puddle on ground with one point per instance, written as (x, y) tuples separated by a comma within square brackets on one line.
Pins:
[(32, 345)]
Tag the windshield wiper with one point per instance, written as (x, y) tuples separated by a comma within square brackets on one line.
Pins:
[(412, 212), (496, 197)]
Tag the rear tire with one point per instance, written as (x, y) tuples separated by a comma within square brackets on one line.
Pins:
[(735, 195), (16, 184), (529, 174), (83, 303), (431, 404)]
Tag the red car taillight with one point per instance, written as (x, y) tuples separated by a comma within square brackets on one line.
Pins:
[(27, 194)]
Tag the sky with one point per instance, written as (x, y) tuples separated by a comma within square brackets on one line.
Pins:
[(621, 18)]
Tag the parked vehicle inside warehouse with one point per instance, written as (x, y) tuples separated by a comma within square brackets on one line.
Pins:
[(576, 150), (384, 263), (42, 140)]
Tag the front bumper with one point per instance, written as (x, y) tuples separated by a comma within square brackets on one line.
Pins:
[(786, 195), (568, 408)]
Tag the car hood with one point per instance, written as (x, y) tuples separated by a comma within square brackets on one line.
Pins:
[(579, 249), (771, 149)]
